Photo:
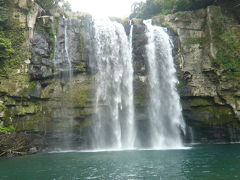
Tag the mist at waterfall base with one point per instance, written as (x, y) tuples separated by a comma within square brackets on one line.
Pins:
[(208, 162)]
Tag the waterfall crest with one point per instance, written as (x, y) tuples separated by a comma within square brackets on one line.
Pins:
[(114, 126), (165, 112)]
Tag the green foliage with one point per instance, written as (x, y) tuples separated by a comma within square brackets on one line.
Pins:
[(4, 129), (6, 49), (48, 31), (227, 40), (168, 6), (154, 7), (145, 10), (66, 6), (232, 76), (2, 107), (48, 4), (51, 4), (13, 46), (182, 81), (82, 96), (227, 37), (26, 110), (199, 40)]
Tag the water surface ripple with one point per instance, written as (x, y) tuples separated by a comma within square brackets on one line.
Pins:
[(208, 162)]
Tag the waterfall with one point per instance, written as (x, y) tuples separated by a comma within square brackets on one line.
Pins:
[(114, 126), (165, 112), (63, 70), (113, 123), (66, 47), (62, 60)]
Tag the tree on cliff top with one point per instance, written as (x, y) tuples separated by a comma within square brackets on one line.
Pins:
[(48, 4), (154, 7), (52, 4)]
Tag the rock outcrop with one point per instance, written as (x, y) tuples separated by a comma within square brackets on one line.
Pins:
[(36, 96), (210, 95)]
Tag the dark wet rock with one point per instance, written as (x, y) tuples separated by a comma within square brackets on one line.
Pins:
[(139, 43), (41, 64)]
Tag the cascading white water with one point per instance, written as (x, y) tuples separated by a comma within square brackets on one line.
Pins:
[(63, 69), (62, 60), (165, 112), (66, 47), (114, 126)]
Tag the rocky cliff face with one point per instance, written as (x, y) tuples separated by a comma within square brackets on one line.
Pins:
[(36, 96), (210, 94), (14, 72)]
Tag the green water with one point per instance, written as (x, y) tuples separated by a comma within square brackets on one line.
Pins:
[(203, 162)]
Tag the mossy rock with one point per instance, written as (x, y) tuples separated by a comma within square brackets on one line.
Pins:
[(2, 108), (83, 96), (24, 110), (4, 129), (196, 101), (14, 76), (209, 115), (226, 35), (40, 120), (191, 41)]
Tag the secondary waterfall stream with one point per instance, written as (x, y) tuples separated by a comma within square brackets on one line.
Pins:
[(63, 69), (165, 112)]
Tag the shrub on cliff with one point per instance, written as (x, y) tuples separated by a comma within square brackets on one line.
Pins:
[(4, 129), (6, 49), (227, 40), (48, 4)]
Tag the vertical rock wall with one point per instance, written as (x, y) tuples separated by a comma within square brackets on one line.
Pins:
[(210, 94)]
